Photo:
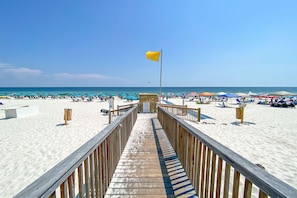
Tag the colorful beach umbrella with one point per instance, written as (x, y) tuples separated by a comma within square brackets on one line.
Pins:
[(192, 94), (221, 93), (206, 94)]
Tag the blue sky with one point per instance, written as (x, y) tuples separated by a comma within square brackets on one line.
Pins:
[(103, 43)]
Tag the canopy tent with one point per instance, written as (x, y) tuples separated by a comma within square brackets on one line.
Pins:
[(221, 93), (206, 94), (229, 95)]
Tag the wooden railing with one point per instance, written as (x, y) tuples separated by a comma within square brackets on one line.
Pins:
[(121, 109), (213, 169), (183, 112), (87, 172)]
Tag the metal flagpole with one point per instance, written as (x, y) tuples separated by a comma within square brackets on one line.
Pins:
[(161, 76)]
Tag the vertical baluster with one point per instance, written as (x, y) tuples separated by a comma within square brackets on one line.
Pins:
[(207, 175), (191, 158), (92, 174), (80, 180), (227, 180), (96, 175), (236, 180), (213, 173), (70, 181), (101, 171), (203, 172), (198, 166), (247, 188), (219, 177), (87, 177), (262, 194)]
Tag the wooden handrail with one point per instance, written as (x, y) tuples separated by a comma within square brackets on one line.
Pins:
[(88, 170), (187, 113), (215, 169)]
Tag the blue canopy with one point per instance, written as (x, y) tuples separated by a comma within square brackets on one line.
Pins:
[(229, 95)]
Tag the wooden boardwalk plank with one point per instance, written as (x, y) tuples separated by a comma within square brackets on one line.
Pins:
[(148, 166)]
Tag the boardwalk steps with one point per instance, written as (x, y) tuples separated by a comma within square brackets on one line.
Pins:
[(149, 166)]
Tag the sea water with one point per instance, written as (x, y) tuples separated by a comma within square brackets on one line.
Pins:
[(111, 91)]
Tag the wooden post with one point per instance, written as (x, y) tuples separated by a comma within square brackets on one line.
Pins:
[(242, 113), (109, 116), (239, 114), (67, 115), (199, 113)]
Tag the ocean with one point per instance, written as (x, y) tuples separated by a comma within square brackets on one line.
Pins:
[(111, 91)]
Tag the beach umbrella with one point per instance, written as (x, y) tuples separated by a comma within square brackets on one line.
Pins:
[(221, 93), (192, 94), (229, 95), (206, 94), (266, 96)]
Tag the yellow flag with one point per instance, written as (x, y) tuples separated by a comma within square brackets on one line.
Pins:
[(153, 55)]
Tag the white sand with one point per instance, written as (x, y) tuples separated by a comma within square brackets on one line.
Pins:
[(32, 145)]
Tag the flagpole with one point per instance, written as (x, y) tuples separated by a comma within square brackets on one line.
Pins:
[(161, 77)]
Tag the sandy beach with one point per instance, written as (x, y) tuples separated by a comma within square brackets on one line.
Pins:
[(33, 144)]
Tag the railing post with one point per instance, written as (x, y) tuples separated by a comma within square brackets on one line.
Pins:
[(199, 113), (109, 116)]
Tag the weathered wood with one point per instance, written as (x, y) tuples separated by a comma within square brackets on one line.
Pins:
[(149, 166), (80, 180), (227, 181), (199, 161), (247, 189), (203, 172), (219, 177), (236, 180), (213, 173), (87, 176), (207, 173), (265, 182)]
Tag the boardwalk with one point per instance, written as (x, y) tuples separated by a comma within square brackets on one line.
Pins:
[(148, 166)]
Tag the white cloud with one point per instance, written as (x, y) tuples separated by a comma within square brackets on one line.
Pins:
[(9, 69), (23, 70), (81, 76), (5, 65), (23, 76)]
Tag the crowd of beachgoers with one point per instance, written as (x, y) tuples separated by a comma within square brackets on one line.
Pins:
[(275, 99)]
